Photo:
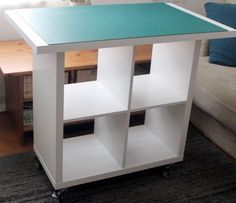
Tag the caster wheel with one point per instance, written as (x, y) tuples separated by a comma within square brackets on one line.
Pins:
[(166, 171), (37, 163), (165, 174), (59, 195)]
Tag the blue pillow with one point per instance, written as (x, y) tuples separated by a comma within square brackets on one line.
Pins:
[(222, 51)]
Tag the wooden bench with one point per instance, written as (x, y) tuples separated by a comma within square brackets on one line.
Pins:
[(16, 63)]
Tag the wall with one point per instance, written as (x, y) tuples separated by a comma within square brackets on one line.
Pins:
[(7, 32)]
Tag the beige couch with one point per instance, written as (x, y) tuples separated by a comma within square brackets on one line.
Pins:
[(214, 108)]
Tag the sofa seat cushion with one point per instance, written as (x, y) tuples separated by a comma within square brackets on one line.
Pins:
[(215, 92)]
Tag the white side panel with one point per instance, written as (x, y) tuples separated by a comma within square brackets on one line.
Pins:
[(191, 92), (114, 71), (48, 88), (172, 63), (167, 123), (112, 131)]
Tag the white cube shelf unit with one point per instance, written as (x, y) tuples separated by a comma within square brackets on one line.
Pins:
[(165, 94)]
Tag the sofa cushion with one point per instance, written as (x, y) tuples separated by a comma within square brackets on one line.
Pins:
[(230, 1), (215, 92), (204, 51), (222, 51)]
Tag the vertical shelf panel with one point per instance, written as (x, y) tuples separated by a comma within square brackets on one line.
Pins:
[(115, 70), (112, 131), (48, 89), (191, 86)]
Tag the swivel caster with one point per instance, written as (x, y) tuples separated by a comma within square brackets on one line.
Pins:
[(37, 163), (59, 195), (166, 171)]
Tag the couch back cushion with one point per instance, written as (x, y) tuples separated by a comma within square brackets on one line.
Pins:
[(222, 51), (230, 1)]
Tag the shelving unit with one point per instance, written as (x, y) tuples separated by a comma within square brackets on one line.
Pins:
[(165, 94)]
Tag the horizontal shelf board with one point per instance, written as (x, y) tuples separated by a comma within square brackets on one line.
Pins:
[(144, 148), (85, 157), (149, 92), (88, 99)]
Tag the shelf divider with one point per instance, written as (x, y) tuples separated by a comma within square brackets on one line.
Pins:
[(112, 131), (115, 70)]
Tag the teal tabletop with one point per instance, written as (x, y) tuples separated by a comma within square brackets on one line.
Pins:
[(110, 22)]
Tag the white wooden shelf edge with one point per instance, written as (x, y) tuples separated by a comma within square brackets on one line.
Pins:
[(151, 92), (144, 148), (88, 100), (85, 159)]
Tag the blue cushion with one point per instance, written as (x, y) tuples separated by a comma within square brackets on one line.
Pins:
[(222, 51)]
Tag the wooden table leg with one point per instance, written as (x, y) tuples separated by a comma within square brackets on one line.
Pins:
[(14, 103)]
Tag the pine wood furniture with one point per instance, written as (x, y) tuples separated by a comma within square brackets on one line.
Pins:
[(166, 93), (16, 63), (9, 141)]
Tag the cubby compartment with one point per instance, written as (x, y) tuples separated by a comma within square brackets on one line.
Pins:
[(159, 141), (169, 78), (109, 93), (96, 154)]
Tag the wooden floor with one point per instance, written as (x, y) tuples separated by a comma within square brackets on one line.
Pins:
[(9, 142)]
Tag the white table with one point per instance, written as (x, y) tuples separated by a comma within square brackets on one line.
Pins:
[(166, 93)]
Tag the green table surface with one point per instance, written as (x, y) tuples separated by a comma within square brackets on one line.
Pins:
[(110, 22)]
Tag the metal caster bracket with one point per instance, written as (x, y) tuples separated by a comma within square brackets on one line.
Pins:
[(59, 195)]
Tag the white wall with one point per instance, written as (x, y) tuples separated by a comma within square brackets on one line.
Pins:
[(8, 33)]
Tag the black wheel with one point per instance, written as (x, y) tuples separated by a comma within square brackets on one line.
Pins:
[(165, 174), (37, 163), (166, 171), (59, 195)]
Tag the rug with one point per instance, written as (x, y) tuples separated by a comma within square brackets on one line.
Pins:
[(206, 175)]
